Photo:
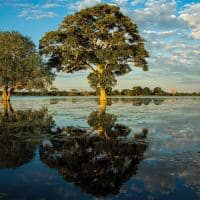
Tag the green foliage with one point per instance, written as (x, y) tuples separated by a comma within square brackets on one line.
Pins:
[(20, 133), (27, 123), (97, 119), (20, 64), (146, 91), (100, 35), (127, 92), (137, 90), (158, 91), (108, 80)]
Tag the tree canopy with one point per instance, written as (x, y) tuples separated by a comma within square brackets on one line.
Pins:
[(20, 64), (100, 39)]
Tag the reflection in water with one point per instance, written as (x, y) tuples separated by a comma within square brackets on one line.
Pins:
[(25, 122), (15, 129), (169, 170), (105, 123), (135, 101), (105, 159), (14, 153), (139, 101), (99, 164)]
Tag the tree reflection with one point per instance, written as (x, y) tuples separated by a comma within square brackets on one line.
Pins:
[(25, 122), (98, 163), (135, 101), (158, 101), (14, 153), (139, 101), (17, 129), (105, 124)]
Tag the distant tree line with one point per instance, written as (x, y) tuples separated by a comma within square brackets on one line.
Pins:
[(135, 91)]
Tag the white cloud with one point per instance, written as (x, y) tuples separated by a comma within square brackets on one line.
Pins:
[(85, 4), (22, 5), (136, 2), (32, 11), (121, 2), (30, 14), (160, 33), (50, 5), (157, 14), (191, 15)]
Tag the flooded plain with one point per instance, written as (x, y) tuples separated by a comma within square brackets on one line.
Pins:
[(68, 148)]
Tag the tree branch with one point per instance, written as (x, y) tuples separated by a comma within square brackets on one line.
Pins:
[(91, 68), (106, 65)]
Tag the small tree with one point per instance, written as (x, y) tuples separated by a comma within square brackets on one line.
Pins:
[(137, 90), (100, 39), (146, 91), (158, 91), (126, 92), (20, 65)]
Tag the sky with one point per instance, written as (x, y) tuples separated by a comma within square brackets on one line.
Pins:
[(171, 29)]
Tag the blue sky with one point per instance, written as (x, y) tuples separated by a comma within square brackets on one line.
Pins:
[(171, 29)]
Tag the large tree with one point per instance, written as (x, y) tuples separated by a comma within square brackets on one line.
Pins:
[(21, 67), (100, 39)]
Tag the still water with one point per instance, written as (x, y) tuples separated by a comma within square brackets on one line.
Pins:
[(66, 148)]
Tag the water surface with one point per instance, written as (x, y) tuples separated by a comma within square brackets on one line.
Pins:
[(65, 148)]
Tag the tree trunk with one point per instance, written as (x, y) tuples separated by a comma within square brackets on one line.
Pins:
[(102, 111), (102, 100), (101, 125), (6, 94), (7, 108), (102, 90)]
